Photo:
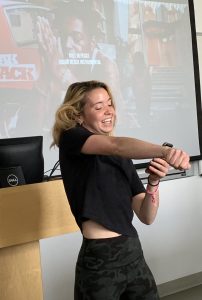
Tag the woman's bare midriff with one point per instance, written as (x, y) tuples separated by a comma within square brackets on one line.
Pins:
[(93, 230)]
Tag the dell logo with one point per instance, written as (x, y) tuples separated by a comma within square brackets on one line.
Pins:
[(12, 180)]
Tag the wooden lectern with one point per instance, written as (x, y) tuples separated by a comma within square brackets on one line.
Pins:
[(29, 213)]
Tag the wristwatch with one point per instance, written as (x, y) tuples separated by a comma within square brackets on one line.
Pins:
[(166, 144)]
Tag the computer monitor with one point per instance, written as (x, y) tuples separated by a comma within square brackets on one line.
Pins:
[(21, 161)]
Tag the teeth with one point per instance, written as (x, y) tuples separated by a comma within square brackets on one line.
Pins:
[(107, 121)]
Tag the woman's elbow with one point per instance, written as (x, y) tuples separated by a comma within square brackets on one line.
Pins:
[(147, 220)]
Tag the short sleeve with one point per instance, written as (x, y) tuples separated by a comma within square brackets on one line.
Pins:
[(72, 140)]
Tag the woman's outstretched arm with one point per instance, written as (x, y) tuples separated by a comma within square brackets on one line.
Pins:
[(135, 149)]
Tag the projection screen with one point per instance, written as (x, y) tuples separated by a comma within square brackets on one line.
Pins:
[(142, 49)]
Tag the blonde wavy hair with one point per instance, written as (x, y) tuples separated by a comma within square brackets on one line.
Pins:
[(67, 115)]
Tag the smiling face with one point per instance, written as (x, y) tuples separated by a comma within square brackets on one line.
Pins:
[(98, 114)]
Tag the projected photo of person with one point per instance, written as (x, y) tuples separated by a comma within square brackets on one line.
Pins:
[(78, 48), (78, 42)]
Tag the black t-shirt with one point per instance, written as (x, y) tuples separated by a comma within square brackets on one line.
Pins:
[(98, 187)]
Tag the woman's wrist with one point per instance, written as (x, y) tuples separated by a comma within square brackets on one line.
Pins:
[(165, 151), (152, 189), (152, 182), (166, 148)]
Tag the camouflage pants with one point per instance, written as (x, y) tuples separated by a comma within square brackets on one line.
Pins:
[(113, 269)]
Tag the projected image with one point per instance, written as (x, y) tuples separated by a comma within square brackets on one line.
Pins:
[(141, 49)]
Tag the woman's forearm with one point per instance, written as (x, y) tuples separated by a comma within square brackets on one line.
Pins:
[(134, 149), (137, 149), (149, 207)]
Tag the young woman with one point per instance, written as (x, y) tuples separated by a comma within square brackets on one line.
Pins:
[(104, 191)]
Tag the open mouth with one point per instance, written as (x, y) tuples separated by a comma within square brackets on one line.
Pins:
[(107, 121)]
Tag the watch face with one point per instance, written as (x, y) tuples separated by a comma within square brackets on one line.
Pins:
[(167, 144)]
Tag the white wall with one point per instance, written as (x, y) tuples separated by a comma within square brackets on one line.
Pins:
[(172, 245), (198, 10), (58, 258)]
